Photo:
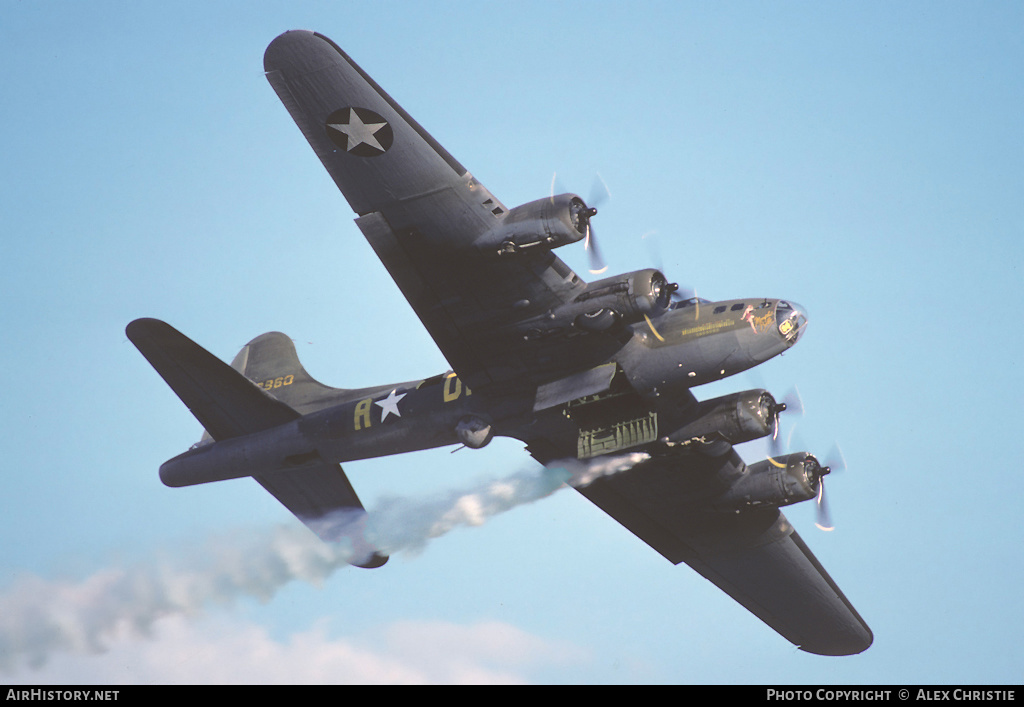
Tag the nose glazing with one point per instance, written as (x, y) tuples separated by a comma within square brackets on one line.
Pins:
[(792, 321)]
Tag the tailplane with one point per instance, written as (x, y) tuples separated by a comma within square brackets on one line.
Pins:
[(225, 403), (266, 387)]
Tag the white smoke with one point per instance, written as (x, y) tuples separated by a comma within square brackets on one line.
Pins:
[(408, 524), (39, 617)]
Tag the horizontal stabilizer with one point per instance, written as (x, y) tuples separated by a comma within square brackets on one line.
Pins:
[(323, 499), (229, 405), (222, 399)]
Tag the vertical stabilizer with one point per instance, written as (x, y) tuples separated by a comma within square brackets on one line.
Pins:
[(271, 362)]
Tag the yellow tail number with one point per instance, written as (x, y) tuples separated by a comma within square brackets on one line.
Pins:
[(278, 382)]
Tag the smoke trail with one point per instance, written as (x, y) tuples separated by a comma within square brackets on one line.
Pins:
[(39, 616), (402, 524)]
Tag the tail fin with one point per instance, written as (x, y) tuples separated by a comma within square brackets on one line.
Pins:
[(270, 361)]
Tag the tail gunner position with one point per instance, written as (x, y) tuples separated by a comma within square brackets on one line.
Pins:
[(570, 368)]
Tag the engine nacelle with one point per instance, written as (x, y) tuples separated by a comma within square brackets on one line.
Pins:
[(549, 222), (775, 482), (614, 301), (725, 421)]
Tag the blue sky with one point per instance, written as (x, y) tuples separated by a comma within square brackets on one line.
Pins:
[(861, 159)]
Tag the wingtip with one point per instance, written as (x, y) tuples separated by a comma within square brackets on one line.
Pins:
[(140, 323), (292, 32), (848, 645), (279, 53), (374, 561), (144, 326)]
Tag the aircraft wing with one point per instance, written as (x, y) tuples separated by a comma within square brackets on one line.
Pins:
[(422, 212), (754, 556)]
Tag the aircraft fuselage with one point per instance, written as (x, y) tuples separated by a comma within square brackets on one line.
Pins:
[(686, 346)]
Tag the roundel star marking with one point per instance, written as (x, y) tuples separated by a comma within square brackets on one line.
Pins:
[(389, 405), (359, 131)]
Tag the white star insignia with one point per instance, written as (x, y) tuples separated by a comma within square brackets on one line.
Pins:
[(389, 405), (358, 132)]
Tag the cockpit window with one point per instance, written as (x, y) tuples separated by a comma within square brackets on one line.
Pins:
[(737, 307), (690, 302)]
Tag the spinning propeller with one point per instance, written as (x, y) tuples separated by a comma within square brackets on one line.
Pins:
[(833, 462), (793, 403), (582, 215), (597, 264), (677, 293), (598, 195)]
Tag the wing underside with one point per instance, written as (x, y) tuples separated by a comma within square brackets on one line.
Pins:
[(423, 213), (754, 556)]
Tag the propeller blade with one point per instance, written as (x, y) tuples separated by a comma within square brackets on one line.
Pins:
[(597, 264), (794, 403), (680, 293), (835, 459), (824, 521), (599, 192), (774, 444), (552, 192), (782, 444), (653, 252)]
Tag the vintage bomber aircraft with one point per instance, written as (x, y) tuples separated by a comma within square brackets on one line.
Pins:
[(573, 369)]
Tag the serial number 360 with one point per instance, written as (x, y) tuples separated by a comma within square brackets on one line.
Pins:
[(272, 383)]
